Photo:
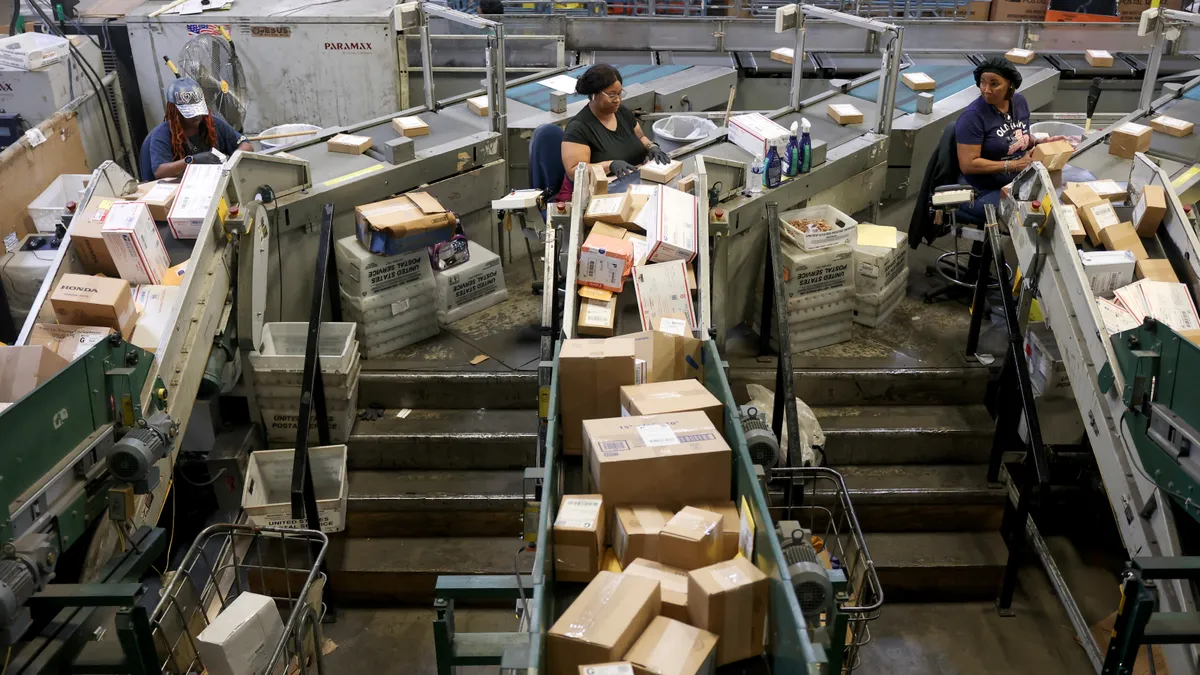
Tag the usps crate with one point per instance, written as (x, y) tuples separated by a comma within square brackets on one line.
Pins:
[(338, 385), (283, 345), (843, 226), (267, 493), (281, 422), (46, 209), (30, 51)]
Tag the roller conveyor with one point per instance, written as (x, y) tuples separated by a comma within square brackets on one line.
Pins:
[(722, 59), (1075, 66), (616, 58), (1168, 65), (760, 64)]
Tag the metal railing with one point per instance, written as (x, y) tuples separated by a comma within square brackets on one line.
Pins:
[(877, 9)]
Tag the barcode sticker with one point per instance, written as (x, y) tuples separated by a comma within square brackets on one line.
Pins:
[(655, 435), (578, 513), (596, 313), (673, 326), (1104, 215)]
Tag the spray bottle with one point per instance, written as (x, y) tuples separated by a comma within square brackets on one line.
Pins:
[(773, 169), (805, 146), (792, 154)]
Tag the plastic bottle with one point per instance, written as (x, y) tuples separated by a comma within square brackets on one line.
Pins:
[(805, 146), (773, 169), (755, 180), (792, 153)]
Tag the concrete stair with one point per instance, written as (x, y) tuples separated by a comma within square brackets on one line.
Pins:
[(905, 434), (938, 566), (480, 439), (923, 497)]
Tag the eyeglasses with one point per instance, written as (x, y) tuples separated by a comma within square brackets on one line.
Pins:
[(614, 97)]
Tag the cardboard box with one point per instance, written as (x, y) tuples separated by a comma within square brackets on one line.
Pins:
[(349, 144), (1129, 138), (661, 173), (1107, 270), (730, 600), (664, 357), (604, 262), (1019, 10), (673, 584), (687, 183), (598, 179), (691, 539), (918, 81), (1020, 56), (87, 237), (753, 132), (604, 229), (605, 366), (1096, 217), (22, 369), (1170, 304), (978, 10), (132, 239), (1108, 189), (784, 55), (597, 317), (1054, 155), (242, 638), (671, 647), (1155, 270), (1073, 224), (196, 198), (1149, 211), (656, 398), (731, 523), (579, 536), (635, 459), (615, 209), (362, 274), (155, 306), (1172, 126), (614, 668), (636, 531), (411, 126), (603, 622), (405, 224), (158, 196), (67, 341), (671, 224), (1079, 195), (174, 275), (1047, 370), (609, 561), (83, 300), (640, 247), (844, 113), (478, 105), (662, 291), (1098, 58), (1122, 237)]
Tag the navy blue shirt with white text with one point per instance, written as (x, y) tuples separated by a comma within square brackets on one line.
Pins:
[(228, 140), (1000, 136)]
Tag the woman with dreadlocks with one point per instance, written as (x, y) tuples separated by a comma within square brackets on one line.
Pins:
[(188, 134)]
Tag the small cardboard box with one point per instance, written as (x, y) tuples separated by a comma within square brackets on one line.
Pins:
[(1079, 195), (155, 305), (1155, 270), (671, 224), (349, 144), (691, 539), (1073, 224), (918, 81), (411, 126), (1172, 126), (607, 230), (662, 291), (603, 622), (656, 398), (1129, 138), (671, 647), (614, 668), (1108, 189), (132, 239), (673, 582), (83, 300), (195, 199), (633, 459), (844, 113), (752, 132), (730, 599), (597, 317), (614, 209), (405, 224), (1096, 217), (784, 55), (1054, 155), (242, 638), (22, 369), (1149, 211), (159, 196), (1020, 56), (876, 267), (663, 356), (1098, 58), (598, 369), (604, 262), (731, 523), (1107, 270), (1122, 237), (87, 237), (67, 341), (661, 173), (478, 105), (598, 179), (636, 531), (579, 536)]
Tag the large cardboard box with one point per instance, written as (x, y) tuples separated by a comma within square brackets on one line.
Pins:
[(1155, 270), (1149, 211), (79, 299), (1096, 217), (730, 599), (579, 536), (404, 224), (1129, 138), (595, 370), (614, 668), (636, 531), (242, 638), (673, 584), (604, 262), (663, 357), (195, 199), (978, 10), (671, 647), (691, 539), (603, 622), (22, 369), (87, 237), (1122, 237), (656, 398), (67, 341), (132, 239), (672, 230), (678, 458), (1053, 156), (1019, 10)]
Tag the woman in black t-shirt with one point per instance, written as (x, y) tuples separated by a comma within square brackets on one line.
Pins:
[(605, 132)]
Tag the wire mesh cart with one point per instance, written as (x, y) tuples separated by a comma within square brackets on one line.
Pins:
[(228, 560), (828, 561)]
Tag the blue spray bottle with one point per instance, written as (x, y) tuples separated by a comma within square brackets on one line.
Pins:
[(773, 169), (792, 154), (805, 146)]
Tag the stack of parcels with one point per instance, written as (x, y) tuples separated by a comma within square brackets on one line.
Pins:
[(819, 292), (278, 370), (880, 260), (1166, 301), (470, 287), (393, 299)]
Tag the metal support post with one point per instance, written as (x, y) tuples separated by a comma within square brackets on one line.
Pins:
[(1150, 79), (427, 67), (888, 87), (133, 631), (500, 113), (785, 397), (798, 62)]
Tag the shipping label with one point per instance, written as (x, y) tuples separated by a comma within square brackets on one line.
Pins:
[(578, 513)]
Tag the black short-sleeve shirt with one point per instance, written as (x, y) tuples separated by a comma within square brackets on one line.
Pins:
[(623, 143)]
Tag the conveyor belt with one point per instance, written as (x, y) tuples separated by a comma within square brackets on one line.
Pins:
[(1169, 65), (760, 64), (952, 74), (536, 96), (850, 66), (1186, 149), (617, 58), (720, 59), (1037, 62), (1074, 65)]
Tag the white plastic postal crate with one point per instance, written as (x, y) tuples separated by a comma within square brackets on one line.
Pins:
[(267, 493), (283, 345), (46, 209), (30, 51), (817, 227), (281, 423), (282, 385)]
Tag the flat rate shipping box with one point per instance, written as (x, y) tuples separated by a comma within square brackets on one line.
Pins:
[(672, 581), (656, 398), (604, 262), (662, 291), (82, 300), (579, 535), (633, 459), (691, 539), (730, 600), (196, 198), (603, 622), (670, 647), (636, 531), (596, 369)]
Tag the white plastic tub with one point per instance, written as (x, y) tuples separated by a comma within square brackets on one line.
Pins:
[(271, 143), (281, 423), (30, 51), (338, 385), (267, 498), (843, 227), (46, 209), (283, 345)]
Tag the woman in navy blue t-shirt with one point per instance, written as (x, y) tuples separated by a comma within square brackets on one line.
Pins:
[(994, 142)]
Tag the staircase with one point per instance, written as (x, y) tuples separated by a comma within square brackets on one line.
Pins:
[(436, 483), (912, 445)]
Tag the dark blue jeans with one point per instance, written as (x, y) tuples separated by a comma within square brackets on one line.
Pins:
[(972, 214)]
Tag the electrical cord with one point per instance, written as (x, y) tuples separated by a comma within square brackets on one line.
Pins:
[(206, 483)]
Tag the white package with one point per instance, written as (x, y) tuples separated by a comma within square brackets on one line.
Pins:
[(1108, 270), (753, 132), (669, 218), (1171, 304), (196, 198), (662, 291), (154, 305), (242, 638), (132, 240)]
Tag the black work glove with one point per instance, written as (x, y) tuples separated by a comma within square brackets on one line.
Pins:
[(205, 158), (657, 155), (620, 168)]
